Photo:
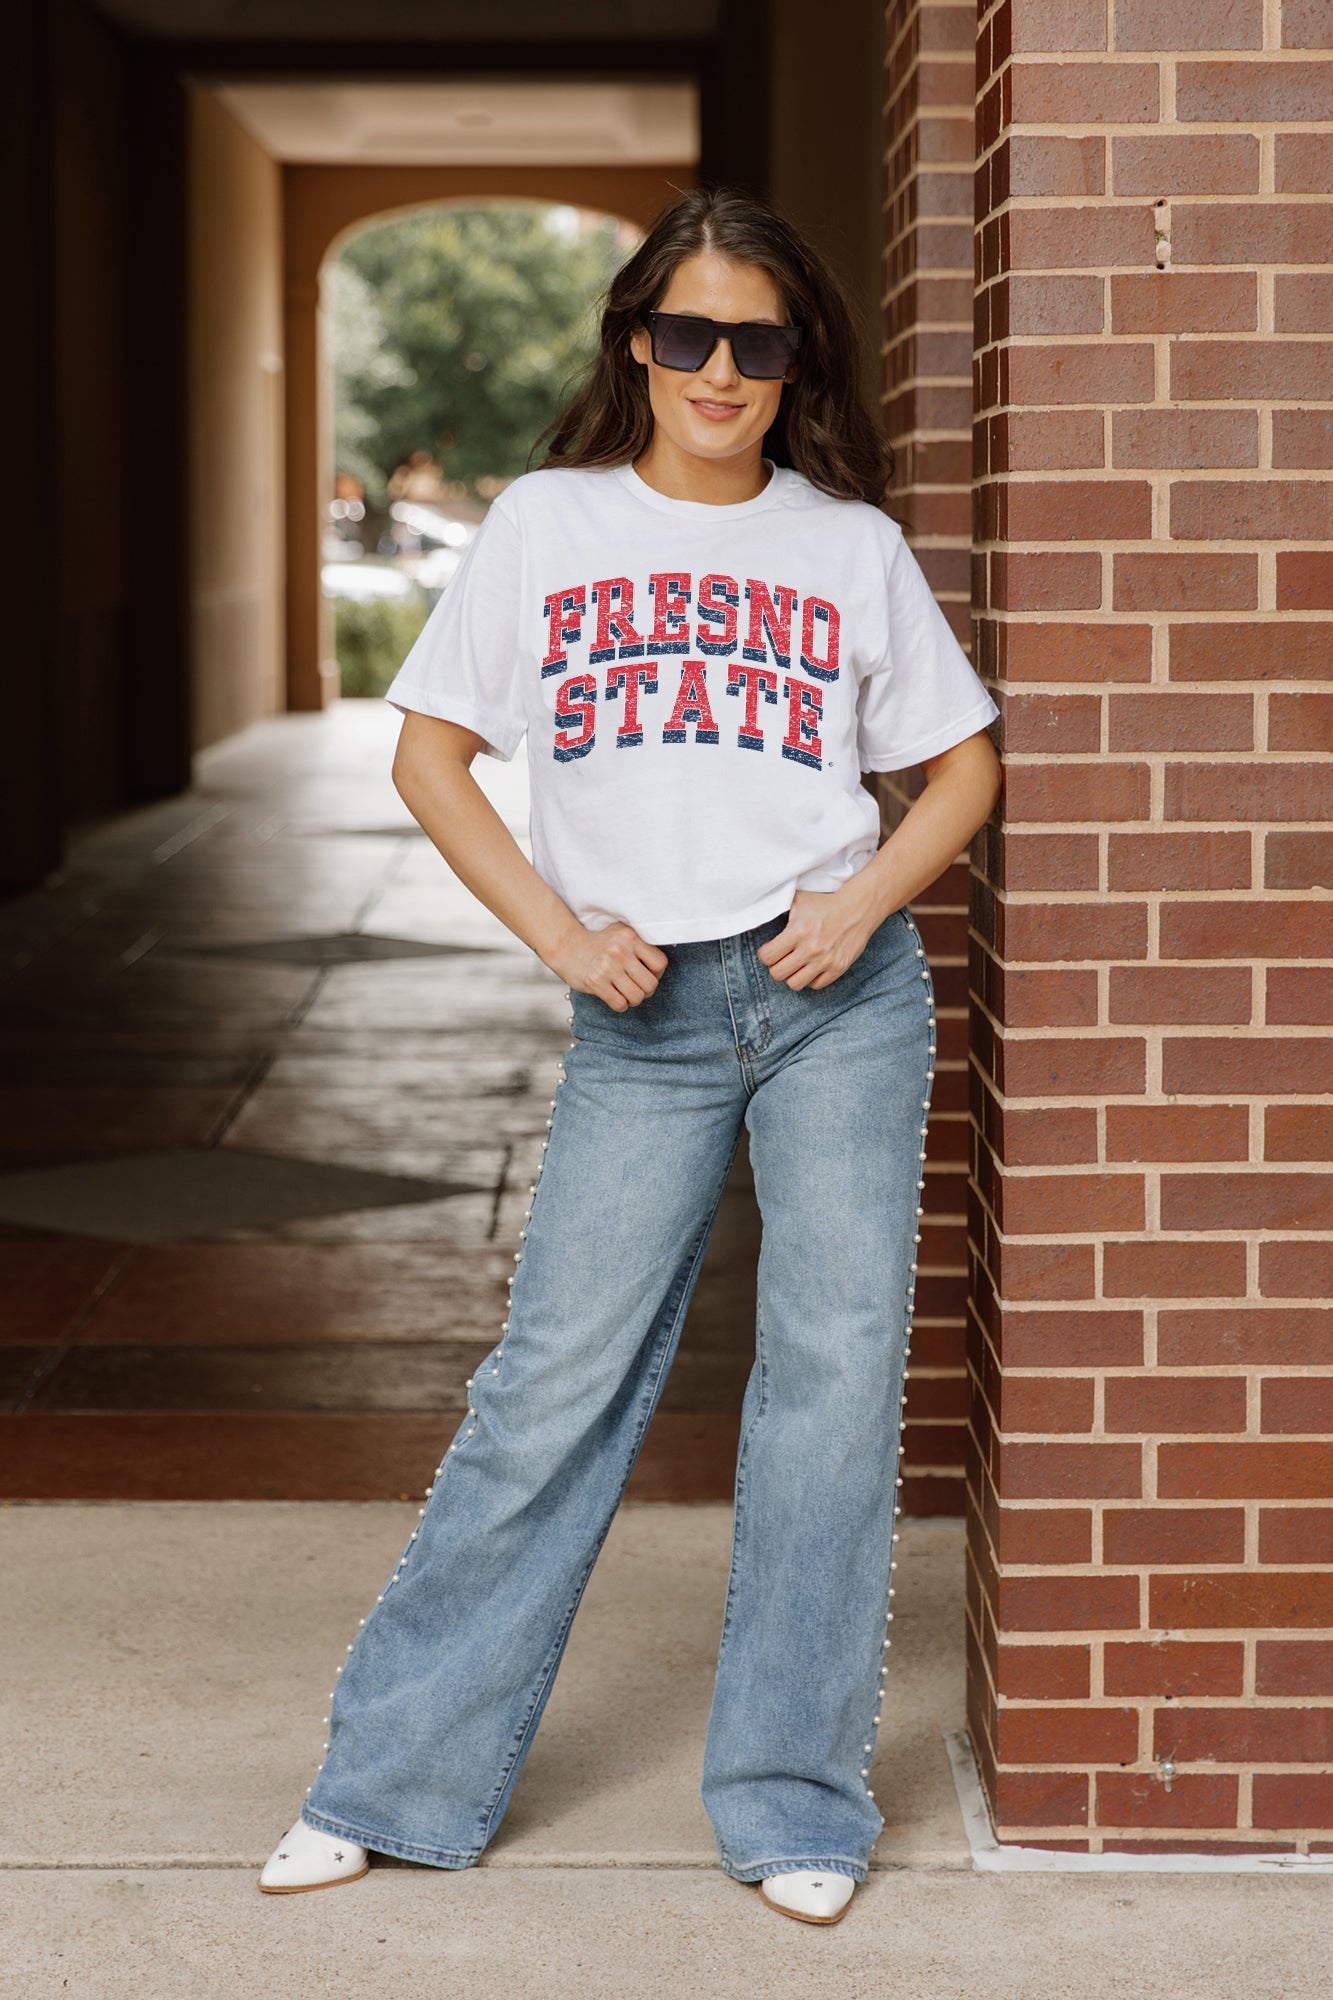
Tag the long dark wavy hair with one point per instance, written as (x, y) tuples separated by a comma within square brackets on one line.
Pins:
[(822, 428)]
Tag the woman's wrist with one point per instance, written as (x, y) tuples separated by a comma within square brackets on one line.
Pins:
[(554, 935), (871, 894)]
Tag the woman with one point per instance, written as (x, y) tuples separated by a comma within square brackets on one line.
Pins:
[(707, 628)]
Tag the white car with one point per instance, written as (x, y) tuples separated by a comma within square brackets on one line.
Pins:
[(365, 581), (431, 525)]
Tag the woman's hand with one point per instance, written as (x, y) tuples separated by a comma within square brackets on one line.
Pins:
[(826, 932), (615, 964)]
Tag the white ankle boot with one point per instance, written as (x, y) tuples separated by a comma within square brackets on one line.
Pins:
[(306, 1859), (809, 1894)]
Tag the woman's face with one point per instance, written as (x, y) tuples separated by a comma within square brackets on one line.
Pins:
[(717, 412)]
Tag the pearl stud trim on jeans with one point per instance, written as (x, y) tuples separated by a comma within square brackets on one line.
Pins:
[(867, 1748)]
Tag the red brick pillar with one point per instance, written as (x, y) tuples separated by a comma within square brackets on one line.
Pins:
[(1151, 1453), (927, 414)]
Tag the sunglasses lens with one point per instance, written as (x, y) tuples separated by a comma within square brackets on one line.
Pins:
[(761, 352), (681, 343)]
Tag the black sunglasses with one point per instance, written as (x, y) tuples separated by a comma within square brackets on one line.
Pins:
[(760, 351)]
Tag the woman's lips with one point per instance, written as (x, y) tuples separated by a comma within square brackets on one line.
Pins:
[(718, 412)]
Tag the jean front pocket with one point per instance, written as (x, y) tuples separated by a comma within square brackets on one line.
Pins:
[(886, 957), (589, 1012)]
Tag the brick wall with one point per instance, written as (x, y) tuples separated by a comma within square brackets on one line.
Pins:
[(1150, 1459), (927, 413)]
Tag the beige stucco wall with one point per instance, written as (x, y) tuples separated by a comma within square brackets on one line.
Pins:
[(236, 425)]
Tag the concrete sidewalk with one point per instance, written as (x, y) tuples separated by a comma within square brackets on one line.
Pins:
[(637, 1933), (165, 1673)]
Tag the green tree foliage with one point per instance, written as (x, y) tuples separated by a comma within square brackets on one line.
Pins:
[(460, 331), (364, 363)]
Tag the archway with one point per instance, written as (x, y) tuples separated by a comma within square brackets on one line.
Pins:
[(451, 333), (322, 206)]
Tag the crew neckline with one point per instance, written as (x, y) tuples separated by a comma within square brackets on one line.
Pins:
[(779, 481)]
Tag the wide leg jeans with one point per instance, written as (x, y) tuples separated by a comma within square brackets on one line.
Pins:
[(438, 1699)]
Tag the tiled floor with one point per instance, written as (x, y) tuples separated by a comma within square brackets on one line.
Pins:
[(273, 1087)]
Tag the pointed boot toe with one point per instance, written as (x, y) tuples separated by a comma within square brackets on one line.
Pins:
[(809, 1894), (306, 1859)]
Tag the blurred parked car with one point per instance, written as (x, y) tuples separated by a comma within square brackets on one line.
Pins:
[(366, 581)]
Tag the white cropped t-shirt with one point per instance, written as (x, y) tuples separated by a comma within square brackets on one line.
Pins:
[(700, 686)]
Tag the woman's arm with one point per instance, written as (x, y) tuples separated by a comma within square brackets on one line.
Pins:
[(828, 930), (432, 777)]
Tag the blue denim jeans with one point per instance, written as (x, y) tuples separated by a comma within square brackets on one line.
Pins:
[(439, 1697)]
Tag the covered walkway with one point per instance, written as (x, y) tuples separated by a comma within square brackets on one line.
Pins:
[(274, 1088)]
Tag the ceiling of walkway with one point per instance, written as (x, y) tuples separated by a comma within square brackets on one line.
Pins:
[(470, 124), (415, 20)]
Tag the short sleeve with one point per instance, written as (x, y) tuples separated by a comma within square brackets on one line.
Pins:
[(464, 666), (920, 696)]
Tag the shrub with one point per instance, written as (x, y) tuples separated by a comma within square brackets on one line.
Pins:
[(372, 639)]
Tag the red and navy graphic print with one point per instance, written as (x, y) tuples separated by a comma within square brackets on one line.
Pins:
[(701, 665)]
